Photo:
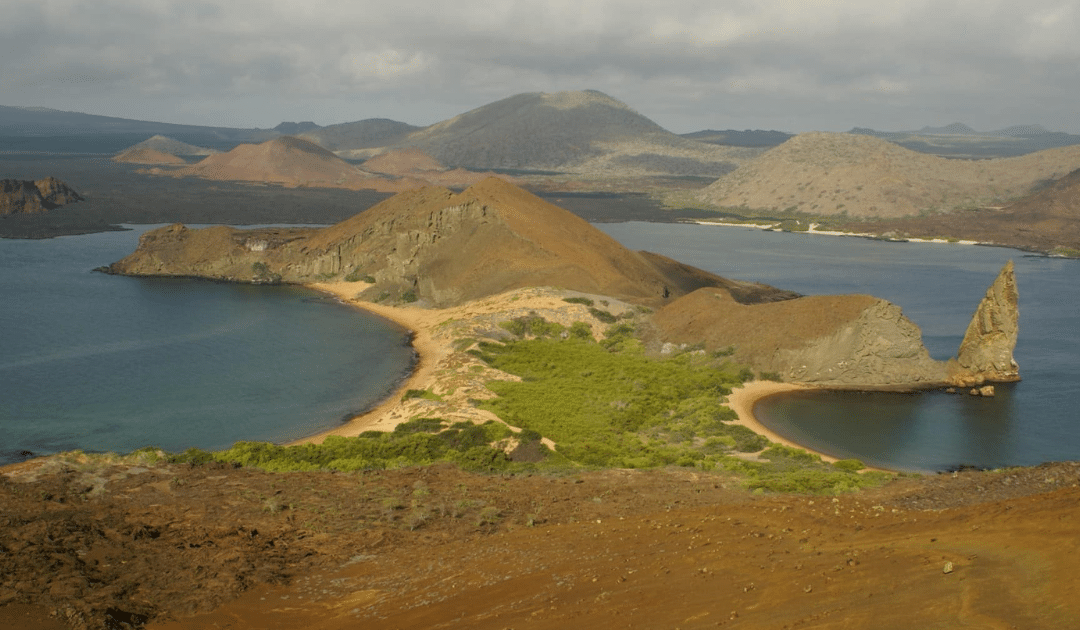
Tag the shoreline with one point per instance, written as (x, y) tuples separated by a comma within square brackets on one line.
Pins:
[(743, 399), (385, 415), (774, 227)]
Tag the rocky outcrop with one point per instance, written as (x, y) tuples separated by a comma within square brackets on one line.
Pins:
[(29, 197), (986, 353), (848, 341)]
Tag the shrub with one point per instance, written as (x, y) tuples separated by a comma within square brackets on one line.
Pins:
[(579, 300), (603, 316), (420, 425), (581, 330), (849, 465)]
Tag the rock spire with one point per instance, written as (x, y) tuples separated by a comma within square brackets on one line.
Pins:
[(986, 353)]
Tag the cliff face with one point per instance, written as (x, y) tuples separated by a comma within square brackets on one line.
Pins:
[(832, 340), (986, 353), (24, 196)]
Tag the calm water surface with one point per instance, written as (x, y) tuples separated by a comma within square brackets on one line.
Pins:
[(938, 286), (108, 363)]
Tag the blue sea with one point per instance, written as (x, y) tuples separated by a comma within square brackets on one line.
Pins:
[(938, 286), (107, 363)]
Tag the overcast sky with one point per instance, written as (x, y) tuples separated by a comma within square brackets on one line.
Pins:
[(686, 64)]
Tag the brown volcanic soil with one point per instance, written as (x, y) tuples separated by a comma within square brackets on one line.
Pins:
[(712, 317), (828, 174), (1043, 221), (285, 160), (218, 547)]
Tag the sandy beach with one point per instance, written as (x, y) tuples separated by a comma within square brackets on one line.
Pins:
[(434, 350), (420, 322), (743, 399)]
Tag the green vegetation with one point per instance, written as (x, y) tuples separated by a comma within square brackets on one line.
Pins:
[(420, 393), (417, 442), (533, 325), (603, 316), (358, 276), (579, 300), (604, 404), (261, 274)]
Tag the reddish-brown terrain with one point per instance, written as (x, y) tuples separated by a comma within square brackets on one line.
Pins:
[(285, 160), (104, 545)]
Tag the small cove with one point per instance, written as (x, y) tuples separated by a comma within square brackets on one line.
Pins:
[(938, 286)]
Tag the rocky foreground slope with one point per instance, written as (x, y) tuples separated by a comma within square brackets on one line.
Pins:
[(440, 249)]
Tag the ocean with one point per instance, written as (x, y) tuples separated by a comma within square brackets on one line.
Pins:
[(107, 363)]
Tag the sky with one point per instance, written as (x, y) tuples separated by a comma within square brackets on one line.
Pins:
[(686, 64)]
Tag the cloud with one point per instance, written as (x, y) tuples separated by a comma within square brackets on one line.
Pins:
[(687, 64)]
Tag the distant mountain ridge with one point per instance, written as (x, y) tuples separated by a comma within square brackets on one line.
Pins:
[(959, 139)]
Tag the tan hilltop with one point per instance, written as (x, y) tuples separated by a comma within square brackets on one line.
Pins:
[(143, 155), (438, 249), (285, 160), (828, 174)]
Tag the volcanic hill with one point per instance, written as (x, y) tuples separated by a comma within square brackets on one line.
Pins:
[(285, 160), (828, 174), (171, 146), (143, 155), (439, 247), (583, 132)]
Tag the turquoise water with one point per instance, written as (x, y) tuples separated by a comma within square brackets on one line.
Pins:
[(108, 363), (938, 286)]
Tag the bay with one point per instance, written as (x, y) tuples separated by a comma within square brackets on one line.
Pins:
[(107, 363), (938, 286)]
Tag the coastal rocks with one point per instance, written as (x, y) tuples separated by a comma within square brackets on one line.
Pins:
[(878, 348), (31, 197), (986, 353), (849, 341)]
